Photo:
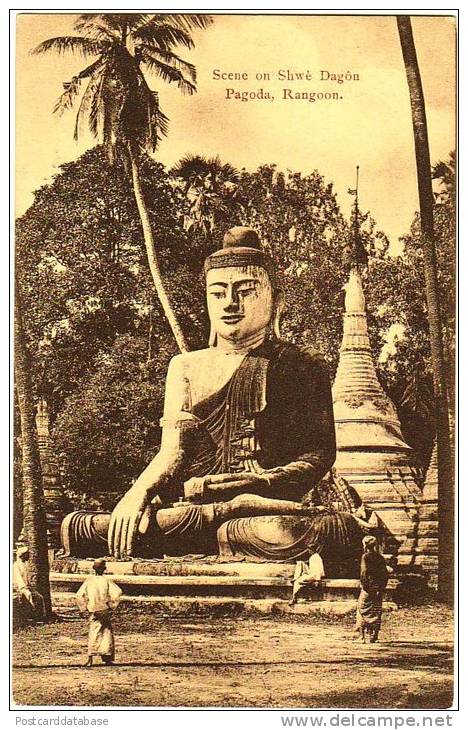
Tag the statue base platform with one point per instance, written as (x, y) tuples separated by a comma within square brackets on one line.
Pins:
[(181, 586)]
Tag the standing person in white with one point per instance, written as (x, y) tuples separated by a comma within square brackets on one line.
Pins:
[(99, 595)]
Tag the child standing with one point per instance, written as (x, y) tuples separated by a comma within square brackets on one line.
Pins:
[(99, 596)]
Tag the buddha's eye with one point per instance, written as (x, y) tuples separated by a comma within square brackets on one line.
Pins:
[(245, 291), (217, 294)]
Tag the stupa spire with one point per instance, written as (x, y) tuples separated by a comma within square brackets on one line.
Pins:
[(364, 414), (372, 454)]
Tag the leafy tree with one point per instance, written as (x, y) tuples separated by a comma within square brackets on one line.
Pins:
[(395, 291), (108, 429), (82, 268), (299, 221), (118, 103), (209, 186)]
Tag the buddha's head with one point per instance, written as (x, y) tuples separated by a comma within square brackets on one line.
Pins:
[(242, 296)]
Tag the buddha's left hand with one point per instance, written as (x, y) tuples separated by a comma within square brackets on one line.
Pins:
[(198, 489)]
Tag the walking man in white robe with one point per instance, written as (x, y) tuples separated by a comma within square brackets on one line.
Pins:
[(99, 596)]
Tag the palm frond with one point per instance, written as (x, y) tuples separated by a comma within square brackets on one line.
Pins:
[(89, 98), (171, 59), (190, 166), (197, 168), (72, 88), (92, 25), (86, 18), (189, 21), (67, 99), (110, 21), (157, 123), (222, 172), (162, 121), (96, 111), (168, 73), (64, 44), (99, 32), (163, 35), (91, 69), (134, 20)]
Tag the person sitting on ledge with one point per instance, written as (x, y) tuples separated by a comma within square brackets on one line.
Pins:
[(247, 431), (27, 601)]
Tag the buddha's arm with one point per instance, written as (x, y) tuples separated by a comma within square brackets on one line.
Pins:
[(162, 470), (310, 432), (156, 478)]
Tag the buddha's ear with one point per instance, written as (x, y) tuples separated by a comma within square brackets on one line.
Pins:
[(212, 338), (278, 308)]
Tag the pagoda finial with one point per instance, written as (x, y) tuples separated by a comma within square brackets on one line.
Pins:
[(354, 252)]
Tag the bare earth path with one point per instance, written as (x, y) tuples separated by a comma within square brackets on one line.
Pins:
[(241, 662)]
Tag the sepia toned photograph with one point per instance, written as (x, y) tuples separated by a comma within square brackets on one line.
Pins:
[(233, 471)]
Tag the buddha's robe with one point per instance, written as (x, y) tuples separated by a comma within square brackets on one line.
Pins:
[(274, 416)]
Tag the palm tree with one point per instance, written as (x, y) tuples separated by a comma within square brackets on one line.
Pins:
[(446, 174), (118, 103), (34, 518), (208, 185), (426, 205)]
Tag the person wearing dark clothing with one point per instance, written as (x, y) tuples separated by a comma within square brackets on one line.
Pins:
[(374, 578)]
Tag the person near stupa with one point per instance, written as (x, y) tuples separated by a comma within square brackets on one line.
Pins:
[(374, 578), (99, 596), (247, 432)]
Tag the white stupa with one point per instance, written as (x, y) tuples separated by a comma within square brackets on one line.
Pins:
[(372, 454)]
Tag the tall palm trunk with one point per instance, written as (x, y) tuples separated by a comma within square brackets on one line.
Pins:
[(152, 256), (423, 164), (34, 519)]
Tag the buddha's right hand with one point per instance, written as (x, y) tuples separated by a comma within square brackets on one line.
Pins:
[(125, 520)]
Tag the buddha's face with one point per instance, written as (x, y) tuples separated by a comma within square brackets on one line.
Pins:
[(240, 301)]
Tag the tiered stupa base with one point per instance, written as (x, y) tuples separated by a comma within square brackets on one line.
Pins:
[(389, 485), (426, 528)]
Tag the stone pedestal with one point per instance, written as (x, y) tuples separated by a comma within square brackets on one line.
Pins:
[(187, 586)]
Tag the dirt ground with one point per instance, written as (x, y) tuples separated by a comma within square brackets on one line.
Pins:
[(241, 662)]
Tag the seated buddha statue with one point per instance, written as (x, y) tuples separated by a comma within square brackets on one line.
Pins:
[(247, 432)]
